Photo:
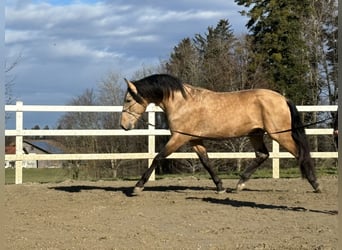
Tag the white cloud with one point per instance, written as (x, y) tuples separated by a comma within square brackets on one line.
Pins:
[(70, 48), (106, 28), (75, 44), (20, 36), (154, 15)]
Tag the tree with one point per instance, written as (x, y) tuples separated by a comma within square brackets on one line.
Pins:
[(81, 120), (325, 17), (81, 144), (9, 79), (147, 70), (208, 60), (9, 82), (184, 61), (321, 41), (295, 43), (215, 49), (248, 72), (276, 28), (108, 92)]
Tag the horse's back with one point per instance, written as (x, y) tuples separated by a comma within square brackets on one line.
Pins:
[(239, 93), (228, 114), (243, 98), (256, 93)]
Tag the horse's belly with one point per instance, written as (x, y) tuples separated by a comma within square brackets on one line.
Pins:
[(228, 129)]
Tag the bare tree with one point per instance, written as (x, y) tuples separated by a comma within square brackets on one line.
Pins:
[(9, 82), (109, 92)]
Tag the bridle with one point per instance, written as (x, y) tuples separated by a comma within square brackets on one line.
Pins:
[(137, 116)]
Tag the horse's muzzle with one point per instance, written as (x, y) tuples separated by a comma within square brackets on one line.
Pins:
[(129, 127)]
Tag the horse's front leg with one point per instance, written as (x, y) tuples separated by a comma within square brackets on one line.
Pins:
[(147, 174), (203, 156), (172, 145)]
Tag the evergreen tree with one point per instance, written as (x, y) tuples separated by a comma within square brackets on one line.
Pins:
[(183, 61), (216, 52), (206, 60), (276, 28)]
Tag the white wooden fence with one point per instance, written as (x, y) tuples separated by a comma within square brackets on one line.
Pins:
[(151, 132)]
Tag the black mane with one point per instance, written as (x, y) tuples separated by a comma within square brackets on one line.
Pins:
[(159, 86)]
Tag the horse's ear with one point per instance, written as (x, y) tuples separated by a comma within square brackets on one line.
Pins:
[(131, 86)]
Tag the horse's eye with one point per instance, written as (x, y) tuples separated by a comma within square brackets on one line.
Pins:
[(128, 101)]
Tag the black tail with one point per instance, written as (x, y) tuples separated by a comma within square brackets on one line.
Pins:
[(304, 158)]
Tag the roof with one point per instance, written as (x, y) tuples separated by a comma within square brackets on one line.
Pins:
[(48, 146)]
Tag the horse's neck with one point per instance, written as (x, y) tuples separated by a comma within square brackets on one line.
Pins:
[(174, 102)]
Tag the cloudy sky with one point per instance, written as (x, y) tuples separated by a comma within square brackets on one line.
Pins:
[(66, 46)]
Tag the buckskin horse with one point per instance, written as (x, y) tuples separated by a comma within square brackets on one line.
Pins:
[(195, 114)]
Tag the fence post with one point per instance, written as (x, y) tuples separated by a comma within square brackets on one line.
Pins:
[(151, 139), (275, 159), (19, 143)]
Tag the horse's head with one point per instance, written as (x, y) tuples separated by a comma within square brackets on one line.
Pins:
[(133, 107)]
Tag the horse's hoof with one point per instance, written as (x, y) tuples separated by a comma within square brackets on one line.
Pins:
[(221, 191), (240, 187), (318, 190), (137, 190)]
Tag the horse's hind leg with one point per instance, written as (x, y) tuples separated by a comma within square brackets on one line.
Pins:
[(261, 153), (305, 162), (203, 156)]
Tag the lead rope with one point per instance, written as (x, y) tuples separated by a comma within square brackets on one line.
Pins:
[(304, 126), (214, 138)]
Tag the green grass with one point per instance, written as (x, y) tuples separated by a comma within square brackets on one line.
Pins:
[(55, 175), (39, 175), (259, 174)]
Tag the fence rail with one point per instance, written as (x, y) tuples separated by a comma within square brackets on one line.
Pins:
[(151, 132)]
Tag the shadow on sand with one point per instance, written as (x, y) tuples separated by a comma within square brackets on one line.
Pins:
[(128, 191), (251, 204)]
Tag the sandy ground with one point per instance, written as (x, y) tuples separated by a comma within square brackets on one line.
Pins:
[(181, 213)]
